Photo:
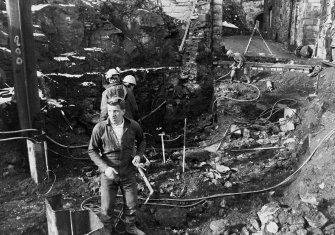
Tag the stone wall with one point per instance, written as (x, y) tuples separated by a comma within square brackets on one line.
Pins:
[(326, 31), (299, 23), (180, 10), (197, 87), (253, 9), (305, 23), (123, 33), (155, 85), (277, 20)]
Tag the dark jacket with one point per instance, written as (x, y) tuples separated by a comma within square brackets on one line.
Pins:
[(123, 92), (105, 151)]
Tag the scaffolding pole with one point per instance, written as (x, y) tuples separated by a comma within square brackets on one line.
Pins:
[(23, 60)]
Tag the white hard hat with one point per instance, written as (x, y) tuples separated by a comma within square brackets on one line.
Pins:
[(130, 79), (229, 52), (111, 72)]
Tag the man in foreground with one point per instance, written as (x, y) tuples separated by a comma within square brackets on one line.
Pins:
[(111, 149)]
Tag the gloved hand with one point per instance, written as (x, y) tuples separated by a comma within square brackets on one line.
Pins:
[(111, 173)]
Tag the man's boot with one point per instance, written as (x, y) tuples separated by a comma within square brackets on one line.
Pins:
[(132, 229)]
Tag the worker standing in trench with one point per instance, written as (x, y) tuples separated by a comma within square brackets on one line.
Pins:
[(111, 148), (115, 87), (238, 68)]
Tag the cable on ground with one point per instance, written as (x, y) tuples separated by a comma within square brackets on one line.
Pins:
[(64, 146), (287, 179), (53, 183), (18, 131)]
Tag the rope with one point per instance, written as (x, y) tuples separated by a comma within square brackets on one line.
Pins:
[(64, 146), (73, 158), (255, 149), (242, 193), (17, 138), (55, 178), (219, 78), (228, 98), (273, 106), (171, 140), (153, 111), (17, 131), (96, 208)]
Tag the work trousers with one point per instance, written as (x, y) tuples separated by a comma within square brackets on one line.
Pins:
[(109, 189), (237, 74)]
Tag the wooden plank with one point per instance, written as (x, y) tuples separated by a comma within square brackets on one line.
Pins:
[(58, 220), (66, 222), (36, 156), (84, 222)]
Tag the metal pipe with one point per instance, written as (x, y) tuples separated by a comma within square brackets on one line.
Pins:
[(147, 183), (184, 147), (163, 147), (46, 158)]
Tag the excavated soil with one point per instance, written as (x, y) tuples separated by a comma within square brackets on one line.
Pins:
[(215, 164)]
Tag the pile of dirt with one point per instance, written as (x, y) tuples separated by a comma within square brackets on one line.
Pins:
[(317, 178), (222, 163)]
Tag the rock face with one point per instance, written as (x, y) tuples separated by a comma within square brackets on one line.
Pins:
[(61, 25), (301, 23), (127, 32), (114, 33)]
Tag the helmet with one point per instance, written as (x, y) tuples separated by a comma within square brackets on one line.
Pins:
[(111, 72), (229, 52), (130, 79)]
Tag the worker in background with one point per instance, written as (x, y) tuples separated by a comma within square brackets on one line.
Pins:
[(238, 68), (111, 149), (129, 82), (116, 87)]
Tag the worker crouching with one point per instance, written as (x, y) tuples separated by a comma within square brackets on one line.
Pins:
[(238, 68), (111, 149)]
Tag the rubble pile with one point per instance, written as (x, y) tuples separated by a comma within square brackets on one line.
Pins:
[(274, 218)]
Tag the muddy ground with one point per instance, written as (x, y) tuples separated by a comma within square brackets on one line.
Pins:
[(218, 162)]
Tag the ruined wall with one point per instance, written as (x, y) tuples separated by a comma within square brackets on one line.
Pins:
[(180, 10), (122, 33), (252, 9), (187, 91), (277, 18), (233, 12), (197, 87), (91, 36), (154, 87), (326, 31), (300, 23), (306, 25)]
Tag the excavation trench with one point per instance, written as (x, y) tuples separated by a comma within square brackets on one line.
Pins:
[(236, 152)]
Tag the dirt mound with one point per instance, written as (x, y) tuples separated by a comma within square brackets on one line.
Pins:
[(315, 181)]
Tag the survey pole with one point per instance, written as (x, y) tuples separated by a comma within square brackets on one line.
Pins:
[(23, 60)]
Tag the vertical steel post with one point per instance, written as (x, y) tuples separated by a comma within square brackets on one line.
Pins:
[(23, 60)]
